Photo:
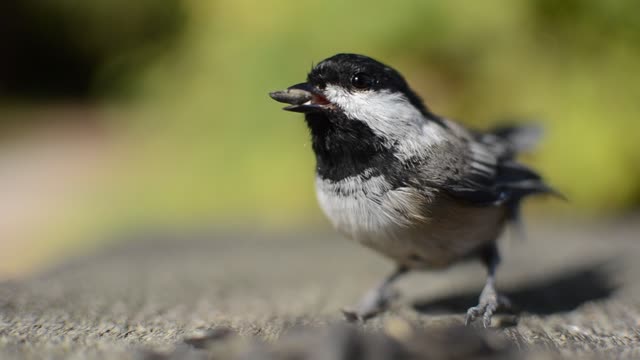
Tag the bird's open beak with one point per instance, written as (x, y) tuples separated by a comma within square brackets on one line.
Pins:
[(303, 98)]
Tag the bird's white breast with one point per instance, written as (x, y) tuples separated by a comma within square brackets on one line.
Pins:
[(369, 210), (352, 204), (411, 227)]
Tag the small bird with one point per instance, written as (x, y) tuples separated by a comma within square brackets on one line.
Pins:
[(418, 188)]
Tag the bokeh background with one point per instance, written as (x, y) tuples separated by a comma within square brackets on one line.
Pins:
[(122, 115)]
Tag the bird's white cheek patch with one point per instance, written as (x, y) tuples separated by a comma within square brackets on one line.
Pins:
[(379, 109), (391, 116)]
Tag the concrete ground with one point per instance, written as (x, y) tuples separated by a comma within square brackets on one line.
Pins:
[(208, 294)]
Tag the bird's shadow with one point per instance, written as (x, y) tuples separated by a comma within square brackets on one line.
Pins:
[(560, 292)]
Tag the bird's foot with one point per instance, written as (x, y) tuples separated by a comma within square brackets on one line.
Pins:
[(490, 301), (373, 303)]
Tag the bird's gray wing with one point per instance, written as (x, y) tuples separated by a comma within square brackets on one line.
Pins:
[(505, 182), (479, 168)]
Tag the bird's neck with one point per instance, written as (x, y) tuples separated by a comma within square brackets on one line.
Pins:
[(345, 147)]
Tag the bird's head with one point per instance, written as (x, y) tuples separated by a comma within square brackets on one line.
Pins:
[(349, 91)]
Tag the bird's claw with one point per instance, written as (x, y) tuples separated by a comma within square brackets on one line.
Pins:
[(358, 316), (488, 305), (486, 310), (373, 303)]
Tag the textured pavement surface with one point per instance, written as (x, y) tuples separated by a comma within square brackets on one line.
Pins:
[(217, 295)]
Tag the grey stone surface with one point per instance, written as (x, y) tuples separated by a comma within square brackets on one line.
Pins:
[(277, 296)]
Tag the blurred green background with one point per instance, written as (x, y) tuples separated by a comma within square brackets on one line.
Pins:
[(118, 114)]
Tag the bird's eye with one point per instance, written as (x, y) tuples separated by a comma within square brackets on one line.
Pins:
[(361, 81)]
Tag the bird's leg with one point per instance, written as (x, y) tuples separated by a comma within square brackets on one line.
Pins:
[(490, 300), (375, 300)]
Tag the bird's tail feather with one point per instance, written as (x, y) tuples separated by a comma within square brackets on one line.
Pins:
[(521, 137)]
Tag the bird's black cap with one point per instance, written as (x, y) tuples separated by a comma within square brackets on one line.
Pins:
[(359, 72)]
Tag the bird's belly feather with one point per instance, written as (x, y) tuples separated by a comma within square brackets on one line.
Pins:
[(417, 229)]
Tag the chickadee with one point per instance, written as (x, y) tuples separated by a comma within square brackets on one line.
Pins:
[(418, 188)]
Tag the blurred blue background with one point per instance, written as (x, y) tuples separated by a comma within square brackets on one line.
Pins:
[(118, 114)]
